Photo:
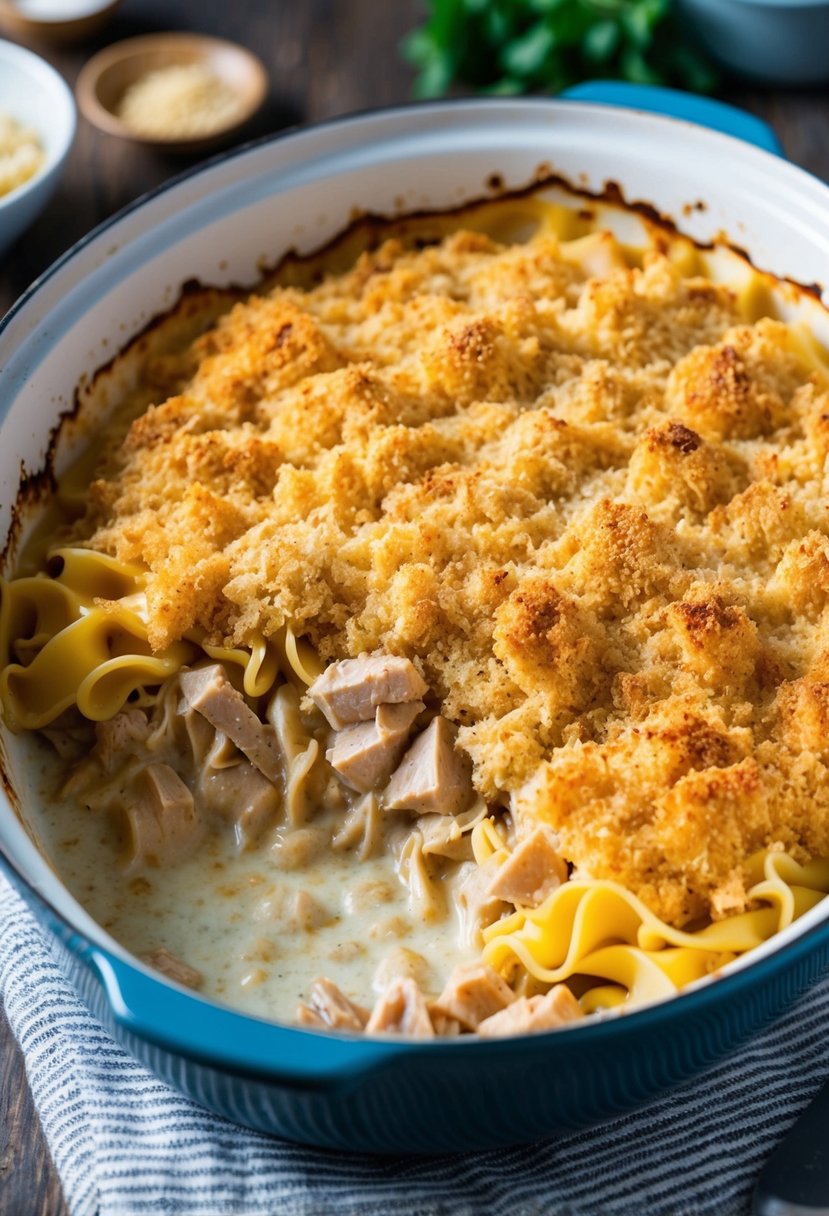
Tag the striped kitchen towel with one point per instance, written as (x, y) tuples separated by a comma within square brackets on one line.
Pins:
[(127, 1145)]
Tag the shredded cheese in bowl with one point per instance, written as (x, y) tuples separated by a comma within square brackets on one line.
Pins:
[(180, 101), (21, 154)]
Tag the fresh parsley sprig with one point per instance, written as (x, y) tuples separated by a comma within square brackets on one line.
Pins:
[(531, 46)]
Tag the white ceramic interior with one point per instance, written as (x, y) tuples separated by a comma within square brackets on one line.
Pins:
[(38, 97), (220, 223)]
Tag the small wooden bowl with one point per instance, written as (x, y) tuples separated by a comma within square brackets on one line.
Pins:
[(106, 77), (16, 20)]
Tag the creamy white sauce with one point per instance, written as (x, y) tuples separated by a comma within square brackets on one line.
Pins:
[(223, 912)]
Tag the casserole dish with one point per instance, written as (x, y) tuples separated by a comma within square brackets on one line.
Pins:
[(217, 225)]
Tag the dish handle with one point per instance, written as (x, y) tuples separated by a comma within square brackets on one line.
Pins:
[(704, 111)]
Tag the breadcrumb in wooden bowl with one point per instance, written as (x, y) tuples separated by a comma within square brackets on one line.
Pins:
[(175, 92)]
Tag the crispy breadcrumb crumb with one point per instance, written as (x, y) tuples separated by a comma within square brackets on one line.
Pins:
[(587, 503)]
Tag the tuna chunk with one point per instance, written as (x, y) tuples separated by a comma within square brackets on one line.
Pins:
[(241, 795), (445, 1028), (401, 1010), (532, 871), (70, 743), (351, 690), (164, 827), (473, 993), (330, 1007), (120, 737), (479, 907), (309, 1018), (400, 964), (299, 848), (292, 911), (303, 913), (173, 967), (208, 690), (432, 776), (531, 1015), (366, 753)]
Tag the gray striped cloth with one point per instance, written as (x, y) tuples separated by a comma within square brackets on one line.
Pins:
[(125, 1144)]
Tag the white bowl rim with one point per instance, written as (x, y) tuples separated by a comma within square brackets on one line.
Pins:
[(43, 71)]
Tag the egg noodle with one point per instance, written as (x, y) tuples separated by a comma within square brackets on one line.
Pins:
[(73, 649), (599, 930)]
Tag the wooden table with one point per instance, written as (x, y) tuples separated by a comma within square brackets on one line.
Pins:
[(325, 57)]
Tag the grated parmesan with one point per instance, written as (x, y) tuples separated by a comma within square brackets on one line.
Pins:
[(179, 102), (21, 154)]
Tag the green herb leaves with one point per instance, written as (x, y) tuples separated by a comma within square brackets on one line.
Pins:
[(529, 46)]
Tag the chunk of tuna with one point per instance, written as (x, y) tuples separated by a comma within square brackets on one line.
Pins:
[(309, 1018), (304, 913), (351, 690), (208, 690), (445, 1028), (173, 967), (366, 753), (401, 1010), (120, 737), (400, 964), (298, 848), (473, 993), (333, 1008), (293, 911), (161, 815), (241, 795), (533, 1014), (532, 871), (70, 743), (432, 776), (478, 906)]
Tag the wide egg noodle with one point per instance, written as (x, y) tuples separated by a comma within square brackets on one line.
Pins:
[(598, 929), (79, 637), (95, 662)]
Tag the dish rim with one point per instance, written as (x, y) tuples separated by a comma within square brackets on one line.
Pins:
[(298, 129), (774, 956)]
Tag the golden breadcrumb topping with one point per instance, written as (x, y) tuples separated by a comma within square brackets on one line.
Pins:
[(577, 488)]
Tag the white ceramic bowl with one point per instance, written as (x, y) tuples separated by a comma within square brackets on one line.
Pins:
[(56, 22), (38, 97), (217, 225), (774, 41)]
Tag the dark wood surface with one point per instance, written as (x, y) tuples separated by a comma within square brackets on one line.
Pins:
[(324, 57)]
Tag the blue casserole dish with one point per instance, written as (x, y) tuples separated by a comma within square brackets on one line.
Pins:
[(216, 224)]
